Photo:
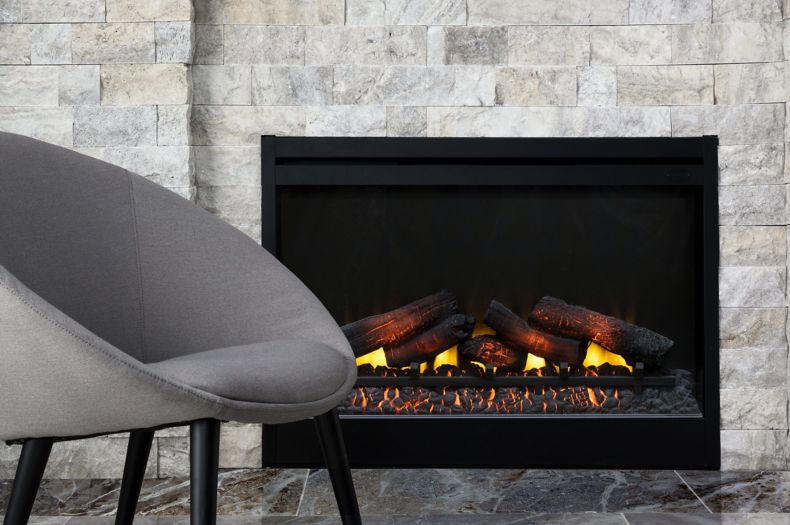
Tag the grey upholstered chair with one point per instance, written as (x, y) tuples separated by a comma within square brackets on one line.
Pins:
[(123, 307)]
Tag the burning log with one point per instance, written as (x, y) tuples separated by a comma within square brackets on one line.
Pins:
[(488, 349), (631, 341), (432, 342), (390, 328), (519, 334)]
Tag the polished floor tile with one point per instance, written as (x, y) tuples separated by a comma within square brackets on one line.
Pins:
[(241, 492), (416, 492), (514, 519), (741, 492), (442, 497), (708, 519)]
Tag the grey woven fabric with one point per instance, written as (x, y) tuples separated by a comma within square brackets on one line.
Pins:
[(119, 299)]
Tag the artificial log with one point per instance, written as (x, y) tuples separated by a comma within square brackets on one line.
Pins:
[(520, 335), (390, 328), (432, 342), (630, 341), (490, 350)]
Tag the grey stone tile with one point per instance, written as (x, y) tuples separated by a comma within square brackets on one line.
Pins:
[(79, 85), (664, 85), (630, 45), (175, 42), (536, 86), (763, 205), (730, 42), (468, 45), (15, 43), (753, 327), (425, 12), (150, 10), (742, 492), (572, 12), (244, 44), (291, 85), (751, 11), (51, 44), (167, 166), (404, 45), (208, 44), (239, 206), (597, 86), (549, 45), (29, 86), (751, 164), (226, 84), (346, 121), (244, 125), (753, 245), (406, 121), (55, 125), (669, 11), (753, 449), (113, 43), (365, 12), (752, 286), (411, 85), (283, 12), (228, 166), (750, 83), (752, 408), (753, 368), (412, 492), (548, 121), (114, 126), (56, 11)]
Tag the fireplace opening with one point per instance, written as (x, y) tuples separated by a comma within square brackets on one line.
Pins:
[(546, 289), (426, 358)]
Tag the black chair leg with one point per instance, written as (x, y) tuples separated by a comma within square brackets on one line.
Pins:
[(204, 465), (331, 438), (133, 475), (29, 471)]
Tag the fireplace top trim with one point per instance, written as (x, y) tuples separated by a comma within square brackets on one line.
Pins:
[(289, 149)]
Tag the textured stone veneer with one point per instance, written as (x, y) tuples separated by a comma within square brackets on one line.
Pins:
[(181, 93)]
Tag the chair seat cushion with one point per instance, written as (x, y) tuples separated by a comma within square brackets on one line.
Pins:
[(283, 371)]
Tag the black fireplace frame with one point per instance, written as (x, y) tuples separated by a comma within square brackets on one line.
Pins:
[(642, 441)]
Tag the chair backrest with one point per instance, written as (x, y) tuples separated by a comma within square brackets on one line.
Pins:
[(139, 266), (67, 232)]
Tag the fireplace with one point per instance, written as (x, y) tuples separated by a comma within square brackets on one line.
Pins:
[(511, 302)]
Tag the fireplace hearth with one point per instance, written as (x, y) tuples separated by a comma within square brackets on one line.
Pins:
[(557, 291)]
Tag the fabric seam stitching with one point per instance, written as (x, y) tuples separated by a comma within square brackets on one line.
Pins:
[(142, 325)]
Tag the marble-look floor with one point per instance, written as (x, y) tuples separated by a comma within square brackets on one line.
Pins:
[(438, 497)]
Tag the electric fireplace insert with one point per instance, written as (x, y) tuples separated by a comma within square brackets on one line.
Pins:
[(511, 302)]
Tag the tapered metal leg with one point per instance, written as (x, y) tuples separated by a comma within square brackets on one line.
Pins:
[(204, 464), (331, 438), (29, 471), (133, 475)]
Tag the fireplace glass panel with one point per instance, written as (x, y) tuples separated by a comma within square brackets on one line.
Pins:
[(631, 253)]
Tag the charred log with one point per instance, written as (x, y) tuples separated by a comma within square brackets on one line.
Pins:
[(390, 328), (488, 349), (520, 335), (432, 342), (630, 341)]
